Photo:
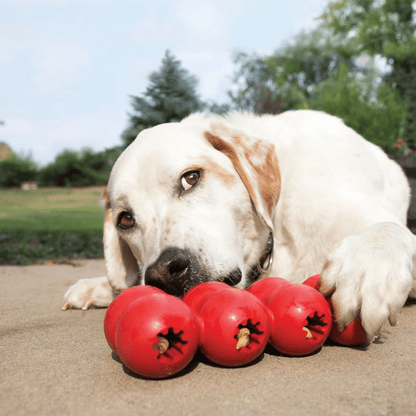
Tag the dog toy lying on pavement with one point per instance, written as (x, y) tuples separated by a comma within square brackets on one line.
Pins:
[(156, 335)]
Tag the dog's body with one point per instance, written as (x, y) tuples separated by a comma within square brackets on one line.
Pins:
[(198, 200)]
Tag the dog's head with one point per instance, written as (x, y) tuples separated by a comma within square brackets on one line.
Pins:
[(187, 204)]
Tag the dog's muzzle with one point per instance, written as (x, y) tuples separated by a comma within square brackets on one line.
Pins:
[(172, 272), (176, 270)]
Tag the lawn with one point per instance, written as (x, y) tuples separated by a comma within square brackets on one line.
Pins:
[(50, 224)]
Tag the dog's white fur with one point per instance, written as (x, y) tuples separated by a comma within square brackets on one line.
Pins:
[(339, 209)]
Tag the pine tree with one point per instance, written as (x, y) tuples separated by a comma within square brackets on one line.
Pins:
[(170, 96)]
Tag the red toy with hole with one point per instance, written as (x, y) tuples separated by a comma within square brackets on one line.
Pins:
[(301, 320), (313, 281), (119, 305), (263, 288), (234, 324), (196, 296), (353, 334), (157, 336)]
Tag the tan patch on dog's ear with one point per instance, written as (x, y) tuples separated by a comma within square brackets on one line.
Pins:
[(268, 177), (263, 161), (214, 168), (105, 200), (108, 216), (229, 150), (255, 162), (219, 171)]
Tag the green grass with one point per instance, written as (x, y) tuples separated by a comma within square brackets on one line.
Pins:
[(70, 221), (50, 224)]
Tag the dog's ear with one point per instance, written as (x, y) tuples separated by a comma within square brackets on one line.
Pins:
[(120, 263), (255, 162)]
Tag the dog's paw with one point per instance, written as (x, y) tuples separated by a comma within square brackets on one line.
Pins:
[(371, 274), (87, 293)]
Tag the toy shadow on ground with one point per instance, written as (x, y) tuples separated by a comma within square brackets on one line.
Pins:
[(272, 351), (363, 347), (189, 368), (198, 359), (328, 343), (201, 358), (410, 302)]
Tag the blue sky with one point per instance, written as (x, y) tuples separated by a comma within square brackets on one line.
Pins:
[(67, 67)]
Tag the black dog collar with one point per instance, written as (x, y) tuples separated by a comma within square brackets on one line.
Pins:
[(264, 262)]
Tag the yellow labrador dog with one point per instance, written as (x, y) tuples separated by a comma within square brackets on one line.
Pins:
[(243, 197)]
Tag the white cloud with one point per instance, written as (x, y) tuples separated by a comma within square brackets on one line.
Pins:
[(305, 13), (99, 128), (14, 39), (213, 68), (204, 21), (7, 58), (151, 26), (49, 2), (20, 127), (60, 62)]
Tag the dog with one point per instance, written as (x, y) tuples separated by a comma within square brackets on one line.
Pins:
[(243, 197)]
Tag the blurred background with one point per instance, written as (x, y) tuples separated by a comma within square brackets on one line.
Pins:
[(79, 79)]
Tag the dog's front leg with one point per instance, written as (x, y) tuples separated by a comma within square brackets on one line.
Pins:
[(372, 274), (86, 293)]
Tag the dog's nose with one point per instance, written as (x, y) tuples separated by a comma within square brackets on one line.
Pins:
[(170, 272)]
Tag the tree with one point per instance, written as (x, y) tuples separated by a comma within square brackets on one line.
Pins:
[(324, 71), (17, 169), (286, 79), (372, 110), (386, 28), (254, 89), (170, 96), (79, 168)]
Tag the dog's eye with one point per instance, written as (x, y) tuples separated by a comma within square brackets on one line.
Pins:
[(189, 179), (125, 220)]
